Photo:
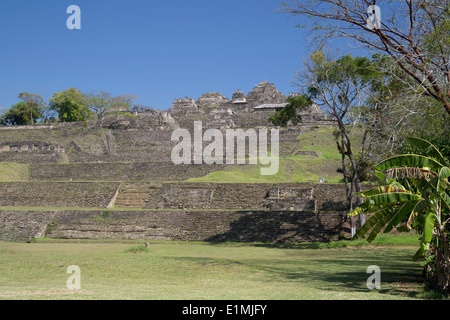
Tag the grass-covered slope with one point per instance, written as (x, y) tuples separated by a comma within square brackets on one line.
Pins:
[(315, 156)]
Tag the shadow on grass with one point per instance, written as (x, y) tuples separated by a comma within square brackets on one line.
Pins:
[(332, 271), (393, 283)]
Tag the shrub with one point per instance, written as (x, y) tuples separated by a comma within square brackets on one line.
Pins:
[(138, 249)]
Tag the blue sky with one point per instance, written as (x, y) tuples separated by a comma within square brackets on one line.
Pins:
[(156, 50)]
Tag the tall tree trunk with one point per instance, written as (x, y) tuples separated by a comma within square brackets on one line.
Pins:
[(356, 181), (348, 191), (100, 122)]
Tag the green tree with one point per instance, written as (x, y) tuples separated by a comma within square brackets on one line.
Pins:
[(342, 88), (21, 114), (70, 105), (290, 113), (415, 196), (103, 104), (34, 102)]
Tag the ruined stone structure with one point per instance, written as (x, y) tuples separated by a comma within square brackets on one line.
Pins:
[(239, 97), (212, 99), (188, 212), (30, 146), (128, 165), (242, 111), (265, 93)]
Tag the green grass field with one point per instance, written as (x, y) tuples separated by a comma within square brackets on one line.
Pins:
[(208, 271)]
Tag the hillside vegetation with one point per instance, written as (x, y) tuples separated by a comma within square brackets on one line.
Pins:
[(314, 157)]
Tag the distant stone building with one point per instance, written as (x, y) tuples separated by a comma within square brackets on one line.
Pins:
[(238, 97), (212, 99), (184, 106), (271, 107), (253, 109), (265, 93)]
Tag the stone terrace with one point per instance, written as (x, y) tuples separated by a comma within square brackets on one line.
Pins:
[(184, 225), (174, 211), (120, 183)]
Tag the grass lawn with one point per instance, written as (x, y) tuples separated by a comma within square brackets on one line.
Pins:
[(208, 271)]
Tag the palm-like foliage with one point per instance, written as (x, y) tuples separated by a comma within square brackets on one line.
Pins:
[(416, 196)]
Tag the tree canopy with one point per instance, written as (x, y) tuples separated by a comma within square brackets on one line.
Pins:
[(20, 114), (70, 105), (34, 102)]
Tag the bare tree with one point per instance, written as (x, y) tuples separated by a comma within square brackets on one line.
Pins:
[(413, 32), (103, 104), (400, 108)]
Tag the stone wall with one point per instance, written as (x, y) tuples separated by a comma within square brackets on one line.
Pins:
[(219, 226), (232, 196), (29, 146), (176, 211), (23, 226), (120, 171), (57, 194), (186, 196)]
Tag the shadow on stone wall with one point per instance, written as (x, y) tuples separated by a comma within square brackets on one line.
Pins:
[(258, 227), (285, 227)]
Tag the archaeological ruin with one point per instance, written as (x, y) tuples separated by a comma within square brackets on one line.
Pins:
[(72, 181)]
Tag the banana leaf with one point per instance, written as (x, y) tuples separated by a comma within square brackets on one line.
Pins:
[(371, 222), (437, 186), (410, 160), (428, 228), (380, 224), (399, 216), (393, 197), (430, 221), (416, 215), (362, 208), (428, 147), (442, 182), (380, 175), (380, 190)]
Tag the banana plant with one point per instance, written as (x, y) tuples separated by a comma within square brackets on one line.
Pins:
[(415, 197)]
